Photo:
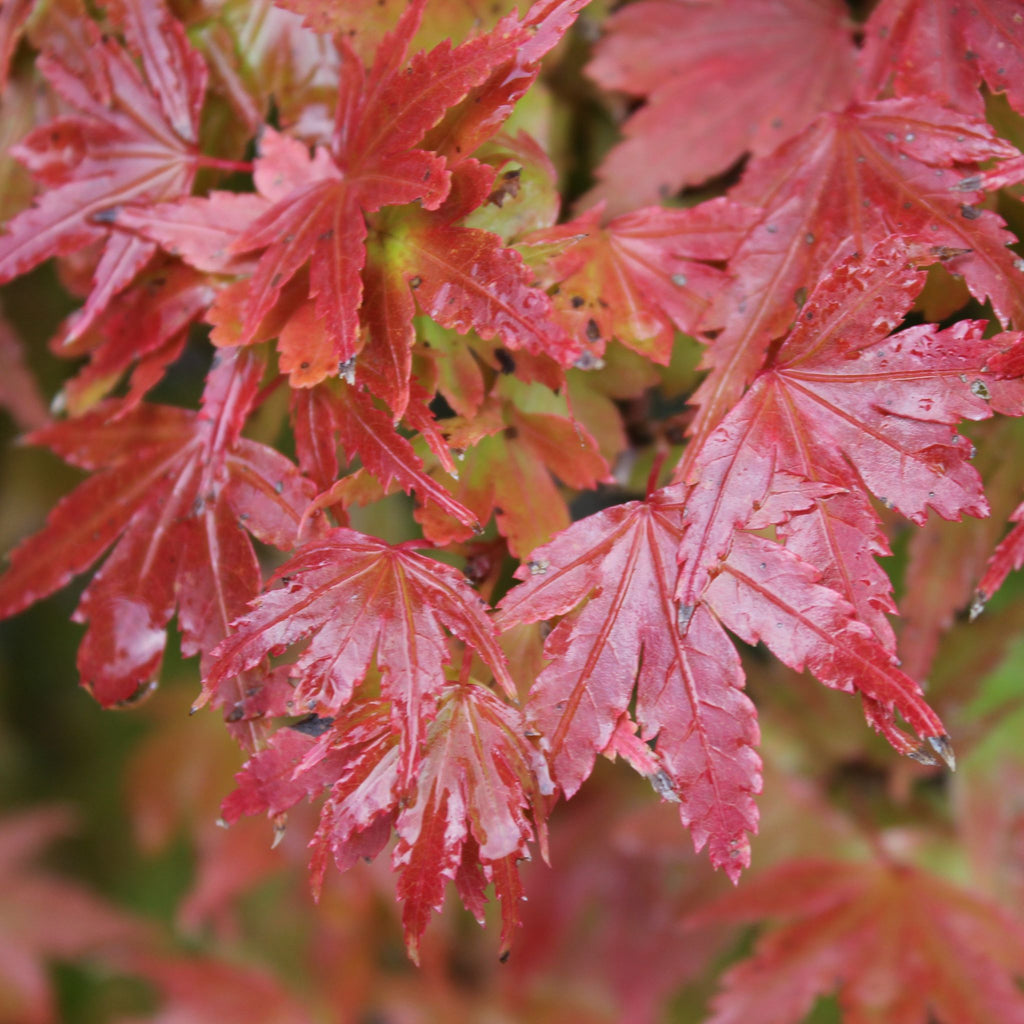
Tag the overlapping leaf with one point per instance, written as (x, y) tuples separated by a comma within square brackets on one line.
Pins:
[(133, 139), (643, 275), (842, 407), (363, 603), (841, 395), (463, 278), (181, 491), (460, 816), (510, 452), (875, 169), (719, 79), (929, 47), (339, 409)]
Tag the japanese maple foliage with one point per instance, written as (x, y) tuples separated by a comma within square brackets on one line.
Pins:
[(479, 485)]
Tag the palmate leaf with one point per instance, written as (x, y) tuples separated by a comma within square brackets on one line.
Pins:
[(895, 944), (848, 407), (872, 170), (132, 140), (918, 47), (719, 79), (643, 275), (363, 603), (613, 577), (181, 491), (318, 217), (843, 408), (461, 815), (626, 637)]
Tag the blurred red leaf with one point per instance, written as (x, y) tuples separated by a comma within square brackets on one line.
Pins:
[(44, 917), (894, 942), (719, 79), (918, 47)]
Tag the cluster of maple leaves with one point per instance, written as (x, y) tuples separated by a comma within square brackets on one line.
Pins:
[(381, 257)]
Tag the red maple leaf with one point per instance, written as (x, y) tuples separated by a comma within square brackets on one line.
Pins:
[(874, 169), (688, 689), (719, 79), (896, 944), (363, 604), (134, 139), (643, 275), (318, 210), (841, 407), (931, 47), (181, 491), (459, 816), (850, 408)]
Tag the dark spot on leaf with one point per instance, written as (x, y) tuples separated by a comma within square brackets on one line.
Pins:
[(507, 188), (505, 360), (313, 725), (107, 216), (969, 212), (235, 714), (511, 433), (593, 331), (577, 301)]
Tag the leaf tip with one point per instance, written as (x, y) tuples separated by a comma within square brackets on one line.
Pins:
[(943, 746)]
